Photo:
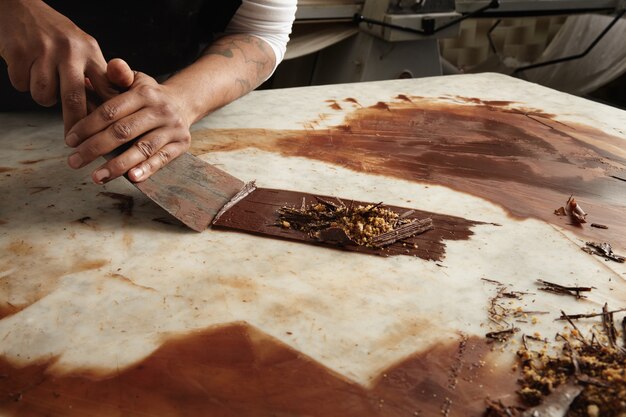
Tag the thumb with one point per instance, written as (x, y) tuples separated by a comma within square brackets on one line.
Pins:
[(120, 74)]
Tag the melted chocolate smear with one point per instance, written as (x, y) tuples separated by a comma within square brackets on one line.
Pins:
[(239, 371), (258, 213), (6, 169), (520, 159)]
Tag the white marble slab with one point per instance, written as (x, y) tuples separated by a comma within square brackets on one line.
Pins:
[(104, 293)]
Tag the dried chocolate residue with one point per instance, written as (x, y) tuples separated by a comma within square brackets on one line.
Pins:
[(6, 169), (259, 213), (238, 370), (124, 203)]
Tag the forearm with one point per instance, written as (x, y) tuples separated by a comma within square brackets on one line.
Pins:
[(228, 69)]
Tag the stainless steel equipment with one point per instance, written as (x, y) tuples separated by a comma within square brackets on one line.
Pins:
[(399, 38)]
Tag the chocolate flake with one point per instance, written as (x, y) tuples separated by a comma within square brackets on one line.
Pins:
[(603, 249), (599, 226), (502, 335), (585, 316), (413, 228), (565, 290)]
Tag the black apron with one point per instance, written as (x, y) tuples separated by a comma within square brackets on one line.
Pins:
[(156, 37)]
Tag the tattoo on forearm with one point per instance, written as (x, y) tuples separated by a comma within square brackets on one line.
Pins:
[(258, 58)]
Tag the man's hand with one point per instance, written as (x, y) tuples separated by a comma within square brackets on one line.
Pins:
[(149, 111), (49, 56)]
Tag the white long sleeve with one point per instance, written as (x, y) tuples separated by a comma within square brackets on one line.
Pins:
[(269, 20)]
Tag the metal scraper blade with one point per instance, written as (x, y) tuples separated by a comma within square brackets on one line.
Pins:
[(191, 190)]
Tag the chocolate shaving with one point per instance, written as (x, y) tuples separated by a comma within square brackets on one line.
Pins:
[(502, 335), (561, 289), (604, 250), (578, 333), (599, 226), (575, 211), (416, 227), (247, 189), (585, 316), (560, 211)]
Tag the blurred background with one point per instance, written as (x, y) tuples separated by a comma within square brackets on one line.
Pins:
[(576, 46)]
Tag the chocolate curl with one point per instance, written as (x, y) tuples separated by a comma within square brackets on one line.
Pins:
[(575, 211)]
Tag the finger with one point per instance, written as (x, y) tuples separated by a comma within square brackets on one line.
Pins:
[(73, 95), (120, 74), (97, 76), (114, 136), (162, 157), (43, 82), (104, 116), (140, 151), (20, 76)]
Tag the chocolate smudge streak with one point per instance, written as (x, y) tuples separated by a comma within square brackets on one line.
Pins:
[(239, 371), (6, 169), (258, 213), (521, 159)]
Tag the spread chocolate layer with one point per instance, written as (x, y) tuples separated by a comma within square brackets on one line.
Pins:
[(259, 213), (239, 371)]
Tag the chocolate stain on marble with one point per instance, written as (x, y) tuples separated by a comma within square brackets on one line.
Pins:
[(25, 263), (6, 169), (239, 371), (38, 189), (488, 149), (334, 105), (32, 161), (258, 213)]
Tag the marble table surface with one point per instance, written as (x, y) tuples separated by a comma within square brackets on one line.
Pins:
[(110, 308)]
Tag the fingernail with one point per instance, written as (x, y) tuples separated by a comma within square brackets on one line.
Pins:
[(72, 139), (102, 175), (137, 172), (75, 160)]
